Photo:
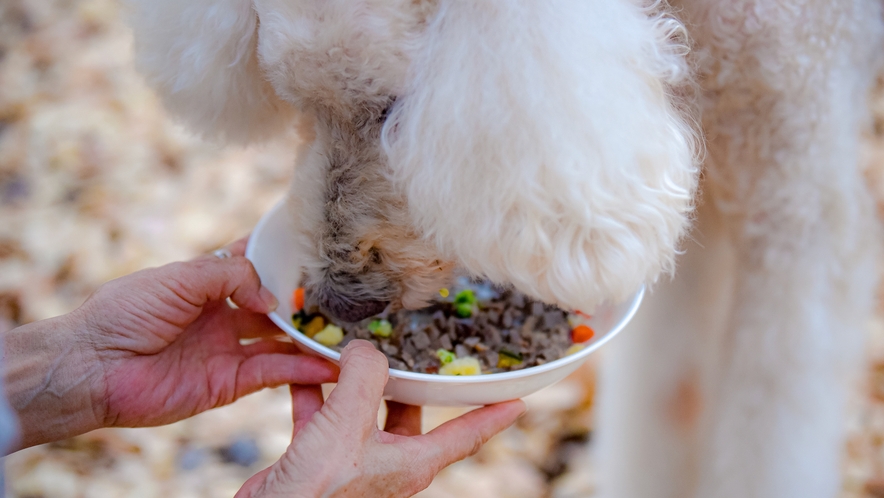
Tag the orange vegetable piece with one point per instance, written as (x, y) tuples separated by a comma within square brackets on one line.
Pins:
[(584, 315), (298, 299), (582, 333)]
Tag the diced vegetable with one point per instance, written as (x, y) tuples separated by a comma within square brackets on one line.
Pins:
[(462, 366), (464, 310), (465, 303), (313, 327), (301, 318), (574, 349), (381, 328), (443, 292), (506, 358), (331, 335), (465, 296), (445, 356), (582, 333), (298, 299)]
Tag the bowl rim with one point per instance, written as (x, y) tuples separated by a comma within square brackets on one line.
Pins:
[(283, 323)]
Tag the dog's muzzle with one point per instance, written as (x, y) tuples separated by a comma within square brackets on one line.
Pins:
[(348, 311)]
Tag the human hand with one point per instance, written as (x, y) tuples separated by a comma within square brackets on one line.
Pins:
[(152, 348), (337, 449)]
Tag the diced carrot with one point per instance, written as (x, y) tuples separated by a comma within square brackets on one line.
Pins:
[(582, 333), (298, 299)]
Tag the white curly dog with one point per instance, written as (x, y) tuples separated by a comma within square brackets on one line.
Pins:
[(555, 146)]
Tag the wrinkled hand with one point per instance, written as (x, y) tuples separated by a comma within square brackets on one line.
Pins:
[(338, 451), (152, 348), (170, 345)]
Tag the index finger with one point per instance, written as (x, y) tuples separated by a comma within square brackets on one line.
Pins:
[(235, 248), (464, 436), (306, 400), (202, 280), (238, 248), (355, 401)]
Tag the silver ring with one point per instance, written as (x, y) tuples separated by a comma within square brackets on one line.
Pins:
[(222, 254)]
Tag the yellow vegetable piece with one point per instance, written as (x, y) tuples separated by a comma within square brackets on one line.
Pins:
[(443, 292), (462, 366), (504, 361), (314, 327), (329, 336), (574, 348)]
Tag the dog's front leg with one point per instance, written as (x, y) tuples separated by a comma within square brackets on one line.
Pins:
[(786, 84), (787, 96), (657, 376), (748, 401)]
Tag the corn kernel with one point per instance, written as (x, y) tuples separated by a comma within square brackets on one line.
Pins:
[(575, 348), (462, 366), (331, 335), (313, 327)]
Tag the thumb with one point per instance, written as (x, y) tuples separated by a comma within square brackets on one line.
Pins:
[(214, 279), (354, 403)]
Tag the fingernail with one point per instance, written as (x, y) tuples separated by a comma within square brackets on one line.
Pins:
[(268, 298), (360, 343), (524, 410)]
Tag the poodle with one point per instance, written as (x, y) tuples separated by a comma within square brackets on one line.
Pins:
[(557, 147)]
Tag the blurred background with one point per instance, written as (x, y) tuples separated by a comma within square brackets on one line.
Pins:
[(97, 182)]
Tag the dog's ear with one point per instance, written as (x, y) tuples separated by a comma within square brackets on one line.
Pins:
[(200, 56), (540, 144)]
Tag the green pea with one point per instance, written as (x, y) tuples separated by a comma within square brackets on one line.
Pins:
[(465, 296), (445, 356), (464, 310), (381, 328)]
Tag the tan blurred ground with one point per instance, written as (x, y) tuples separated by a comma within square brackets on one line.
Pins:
[(95, 182)]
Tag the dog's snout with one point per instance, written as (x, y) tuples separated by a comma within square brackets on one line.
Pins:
[(346, 310)]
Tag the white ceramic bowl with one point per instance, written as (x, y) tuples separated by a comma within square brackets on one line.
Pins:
[(270, 250)]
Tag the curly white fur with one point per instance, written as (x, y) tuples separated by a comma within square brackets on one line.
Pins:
[(527, 163), (200, 57), (499, 108)]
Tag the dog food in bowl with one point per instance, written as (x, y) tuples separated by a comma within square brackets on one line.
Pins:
[(473, 329), (270, 251)]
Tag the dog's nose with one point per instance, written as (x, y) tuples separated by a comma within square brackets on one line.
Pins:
[(350, 311)]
